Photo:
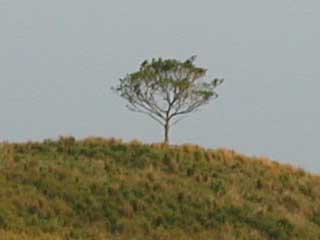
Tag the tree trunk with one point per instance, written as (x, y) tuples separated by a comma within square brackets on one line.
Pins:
[(166, 133)]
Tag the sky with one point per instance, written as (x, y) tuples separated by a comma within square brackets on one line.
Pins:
[(58, 60)]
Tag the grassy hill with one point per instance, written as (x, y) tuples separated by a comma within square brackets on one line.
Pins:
[(105, 189)]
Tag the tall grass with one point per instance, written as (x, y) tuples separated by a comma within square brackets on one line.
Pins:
[(105, 189)]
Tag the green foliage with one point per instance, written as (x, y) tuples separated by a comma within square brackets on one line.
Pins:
[(105, 189), (316, 218), (166, 89)]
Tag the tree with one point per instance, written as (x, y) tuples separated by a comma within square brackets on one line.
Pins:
[(166, 90)]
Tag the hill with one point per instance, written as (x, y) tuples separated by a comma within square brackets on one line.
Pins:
[(105, 189)]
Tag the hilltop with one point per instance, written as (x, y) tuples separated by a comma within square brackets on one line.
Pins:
[(96, 189)]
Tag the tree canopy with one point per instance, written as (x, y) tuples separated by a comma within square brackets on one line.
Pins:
[(167, 90)]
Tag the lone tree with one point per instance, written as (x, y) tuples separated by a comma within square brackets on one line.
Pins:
[(167, 90)]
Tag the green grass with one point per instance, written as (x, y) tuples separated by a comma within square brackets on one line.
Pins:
[(105, 189)]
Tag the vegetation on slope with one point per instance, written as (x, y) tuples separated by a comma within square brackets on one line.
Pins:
[(105, 189)]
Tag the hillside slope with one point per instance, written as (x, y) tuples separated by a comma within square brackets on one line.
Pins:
[(104, 189)]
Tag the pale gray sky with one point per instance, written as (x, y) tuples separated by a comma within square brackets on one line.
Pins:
[(59, 58)]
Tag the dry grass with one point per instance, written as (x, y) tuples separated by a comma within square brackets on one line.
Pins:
[(99, 188)]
